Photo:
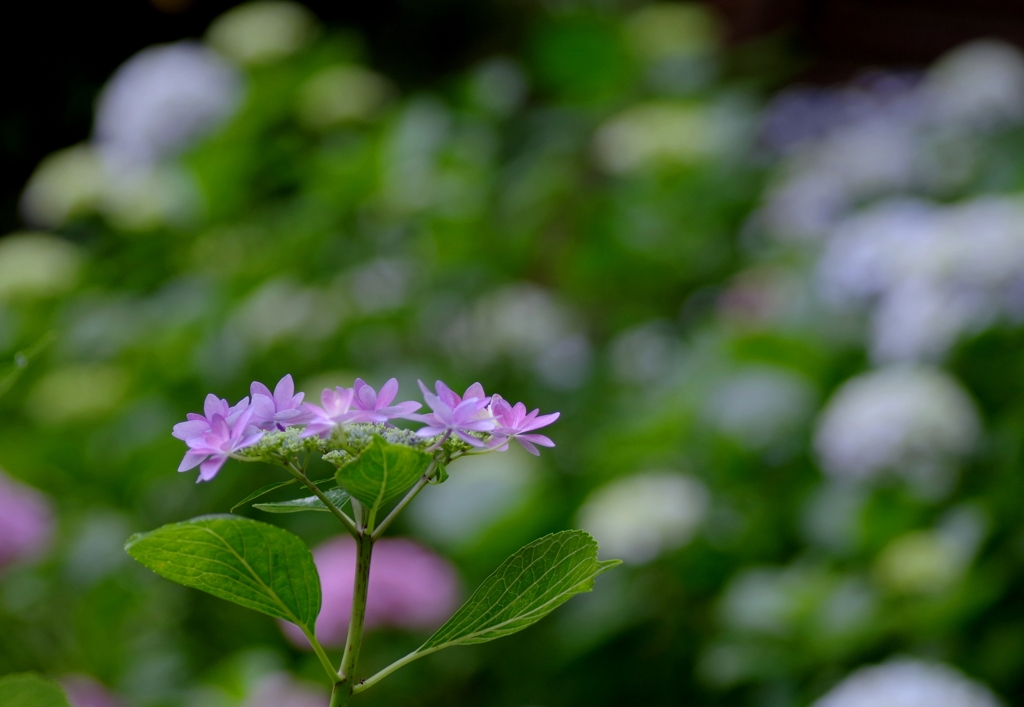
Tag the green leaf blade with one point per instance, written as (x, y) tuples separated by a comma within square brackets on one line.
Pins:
[(30, 690), (525, 588), (262, 492), (339, 497), (382, 472), (253, 564)]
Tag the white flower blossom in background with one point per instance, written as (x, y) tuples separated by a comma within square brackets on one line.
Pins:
[(638, 517), (667, 132), (528, 324), (646, 353), (927, 273), (761, 405), (916, 422), (160, 101), (262, 32), (978, 85), (157, 104), (931, 561), (499, 85), (37, 265), (908, 682), (342, 94), (886, 133)]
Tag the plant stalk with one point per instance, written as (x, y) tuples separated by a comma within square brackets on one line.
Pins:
[(350, 659)]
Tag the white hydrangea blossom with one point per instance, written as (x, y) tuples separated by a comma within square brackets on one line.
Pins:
[(908, 683), (639, 517), (162, 99), (914, 421), (930, 273)]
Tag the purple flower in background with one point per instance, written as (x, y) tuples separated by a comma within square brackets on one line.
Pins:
[(336, 410), (280, 409), (514, 422), (197, 424), (84, 691), (26, 522), (376, 407), (410, 587), (210, 450), (468, 415)]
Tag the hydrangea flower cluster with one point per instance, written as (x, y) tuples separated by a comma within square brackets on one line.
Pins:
[(481, 423)]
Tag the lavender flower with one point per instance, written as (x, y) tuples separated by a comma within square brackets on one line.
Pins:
[(466, 415), (376, 407), (198, 425), (514, 422), (410, 587), (335, 411), (26, 522), (280, 409), (452, 399), (209, 451)]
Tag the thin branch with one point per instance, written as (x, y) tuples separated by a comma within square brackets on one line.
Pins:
[(424, 480), (322, 655), (338, 513)]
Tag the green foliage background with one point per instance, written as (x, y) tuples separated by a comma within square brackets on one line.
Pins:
[(389, 245)]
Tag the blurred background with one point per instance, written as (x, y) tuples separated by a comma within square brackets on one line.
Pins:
[(766, 258)]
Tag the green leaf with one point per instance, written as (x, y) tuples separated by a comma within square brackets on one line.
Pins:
[(525, 588), (263, 491), (30, 690), (254, 564), (339, 497), (381, 472)]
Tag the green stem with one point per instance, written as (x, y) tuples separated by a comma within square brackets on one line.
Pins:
[(322, 655), (349, 524), (340, 694), (364, 551), (424, 480), (402, 662)]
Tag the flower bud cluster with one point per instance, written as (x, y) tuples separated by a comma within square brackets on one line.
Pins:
[(279, 425)]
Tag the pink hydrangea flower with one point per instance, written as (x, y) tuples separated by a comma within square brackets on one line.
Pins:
[(452, 399), (210, 450), (279, 409), (515, 423), (376, 407), (84, 691), (196, 424), (336, 411), (410, 587), (466, 415), (26, 522)]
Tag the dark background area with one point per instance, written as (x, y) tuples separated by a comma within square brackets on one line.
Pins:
[(58, 56)]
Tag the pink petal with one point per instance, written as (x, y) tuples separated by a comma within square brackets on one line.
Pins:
[(542, 421), (537, 439), (192, 460), (528, 447), (387, 393), (209, 468), (474, 391), (284, 390), (263, 408), (215, 405), (257, 388), (468, 439), (192, 428)]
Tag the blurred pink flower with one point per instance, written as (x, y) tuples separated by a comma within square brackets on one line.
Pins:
[(410, 587), (281, 690), (26, 522), (84, 691)]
